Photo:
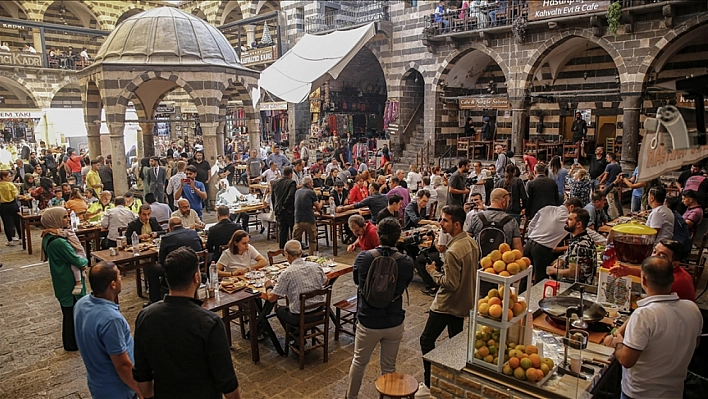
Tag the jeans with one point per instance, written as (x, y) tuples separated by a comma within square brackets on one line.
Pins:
[(286, 220), (636, 204), (11, 220), (493, 15), (77, 176), (541, 257), (446, 25), (624, 395), (310, 229), (433, 328), (68, 338), (364, 344)]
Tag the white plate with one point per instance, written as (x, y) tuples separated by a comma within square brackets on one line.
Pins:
[(326, 269)]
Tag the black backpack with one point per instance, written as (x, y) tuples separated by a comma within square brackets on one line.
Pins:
[(379, 289), (492, 234)]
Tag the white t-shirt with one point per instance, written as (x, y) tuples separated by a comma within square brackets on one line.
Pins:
[(662, 219), (233, 262), (665, 329), (443, 240)]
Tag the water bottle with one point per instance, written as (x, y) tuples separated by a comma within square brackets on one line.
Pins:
[(332, 208), (213, 273), (135, 241), (74, 221)]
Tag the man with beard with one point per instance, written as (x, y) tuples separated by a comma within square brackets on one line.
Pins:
[(579, 262), (457, 191)]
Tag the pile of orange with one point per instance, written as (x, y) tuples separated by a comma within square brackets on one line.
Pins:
[(505, 261), (491, 305), (487, 346), (524, 363)]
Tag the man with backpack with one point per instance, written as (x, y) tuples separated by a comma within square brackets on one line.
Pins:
[(493, 225), (456, 295), (381, 275)]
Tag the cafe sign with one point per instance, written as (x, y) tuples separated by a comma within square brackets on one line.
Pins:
[(274, 106), (21, 114), (684, 102), (17, 58), (258, 56), (659, 161), (544, 9), (485, 102)]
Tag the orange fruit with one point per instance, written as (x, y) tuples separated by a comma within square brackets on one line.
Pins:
[(521, 348), (539, 374), (514, 362), (518, 308), (486, 262), (545, 369), (513, 297), (527, 262), (494, 293), (488, 358), (548, 362), (495, 255), (531, 349), (513, 268), (495, 311), (531, 375), (499, 266), (520, 373), (483, 300), (484, 309), (517, 254), (507, 370), (494, 301), (505, 274), (535, 360), (508, 257), (509, 314), (525, 362), (490, 270), (504, 247), (483, 351)]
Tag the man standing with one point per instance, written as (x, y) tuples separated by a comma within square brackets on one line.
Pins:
[(284, 204), (496, 216), (190, 218), (156, 178), (456, 295), (305, 201), (192, 190), (229, 170), (456, 186), (298, 173), (115, 219), (375, 202), (254, 165), (662, 330), (379, 325), (202, 169), (597, 165), (103, 336), (220, 233), (694, 179), (579, 262), (93, 179), (546, 231), (202, 366), (145, 226), (481, 176), (175, 183), (304, 152), (501, 162), (278, 158), (542, 191), (596, 210), (612, 171), (106, 173), (579, 128), (365, 232)]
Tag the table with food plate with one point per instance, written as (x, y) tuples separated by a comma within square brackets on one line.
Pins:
[(337, 221), (258, 188), (126, 260), (88, 233)]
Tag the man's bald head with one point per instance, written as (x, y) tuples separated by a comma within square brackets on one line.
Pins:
[(175, 222), (498, 194)]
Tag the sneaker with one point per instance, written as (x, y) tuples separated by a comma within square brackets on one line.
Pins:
[(423, 391), (11, 243), (77, 290), (429, 291)]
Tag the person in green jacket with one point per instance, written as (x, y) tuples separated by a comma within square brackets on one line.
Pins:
[(62, 256)]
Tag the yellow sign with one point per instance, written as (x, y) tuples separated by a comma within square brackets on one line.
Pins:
[(257, 56), (544, 9), (484, 102)]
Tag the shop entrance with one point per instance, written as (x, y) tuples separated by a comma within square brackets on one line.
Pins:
[(607, 129)]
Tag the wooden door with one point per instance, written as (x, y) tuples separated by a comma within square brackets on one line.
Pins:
[(567, 128), (606, 128)]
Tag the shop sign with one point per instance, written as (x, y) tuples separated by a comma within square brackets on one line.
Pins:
[(165, 109), (13, 26), (481, 103), (17, 58), (274, 106), (563, 8), (684, 102), (189, 110), (258, 56), (657, 162), (21, 114)]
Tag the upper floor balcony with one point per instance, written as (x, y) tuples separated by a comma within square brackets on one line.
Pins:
[(350, 15)]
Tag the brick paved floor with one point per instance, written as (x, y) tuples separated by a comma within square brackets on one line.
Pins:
[(33, 363)]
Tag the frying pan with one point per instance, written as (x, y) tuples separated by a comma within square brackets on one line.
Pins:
[(555, 307)]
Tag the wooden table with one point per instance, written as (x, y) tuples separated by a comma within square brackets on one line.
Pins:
[(489, 144), (548, 146), (250, 208), (127, 261), (27, 221), (257, 188), (339, 219), (90, 235), (224, 301)]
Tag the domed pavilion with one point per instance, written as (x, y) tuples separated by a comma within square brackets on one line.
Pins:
[(146, 57)]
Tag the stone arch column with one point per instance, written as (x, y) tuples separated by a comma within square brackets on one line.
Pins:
[(91, 99), (115, 119)]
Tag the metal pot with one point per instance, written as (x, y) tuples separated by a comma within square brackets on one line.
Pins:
[(555, 307)]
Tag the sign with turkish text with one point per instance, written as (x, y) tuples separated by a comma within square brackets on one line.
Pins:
[(274, 106), (684, 102), (484, 102), (544, 9), (165, 109), (659, 161), (20, 114), (257, 56), (17, 58)]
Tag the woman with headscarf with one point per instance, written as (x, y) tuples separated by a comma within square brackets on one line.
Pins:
[(29, 184), (61, 256)]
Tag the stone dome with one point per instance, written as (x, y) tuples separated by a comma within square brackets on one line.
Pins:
[(167, 36)]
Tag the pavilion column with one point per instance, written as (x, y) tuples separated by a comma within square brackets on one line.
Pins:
[(254, 132), (630, 131), (120, 177), (210, 152), (148, 139), (220, 137), (519, 126), (250, 34), (94, 140)]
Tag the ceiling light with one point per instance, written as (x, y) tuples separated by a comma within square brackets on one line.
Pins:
[(585, 75)]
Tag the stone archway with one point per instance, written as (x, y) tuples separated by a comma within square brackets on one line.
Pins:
[(16, 94), (449, 62)]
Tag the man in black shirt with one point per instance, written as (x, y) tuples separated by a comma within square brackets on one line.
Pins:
[(340, 194), (375, 202), (220, 233), (542, 191), (392, 210), (181, 350), (284, 204), (229, 171), (579, 128), (597, 165), (457, 192), (203, 168)]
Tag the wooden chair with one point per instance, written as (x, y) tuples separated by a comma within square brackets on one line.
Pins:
[(273, 254), (348, 306), (695, 257), (463, 146), (396, 385), (203, 257), (323, 232), (433, 208), (311, 318), (570, 151)]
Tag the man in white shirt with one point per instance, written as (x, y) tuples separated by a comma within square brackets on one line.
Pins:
[(115, 219), (482, 176), (546, 231), (271, 174), (160, 211), (477, 205), (663, 330), (84, 55), (175, 182), (661, 217), (332, 165)]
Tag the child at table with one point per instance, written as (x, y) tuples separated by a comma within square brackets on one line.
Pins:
[(78, 248), (58, 199)]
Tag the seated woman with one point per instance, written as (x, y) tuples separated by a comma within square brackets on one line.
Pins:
[(76, 202), (29, 185), (332, 178), (240, 256)]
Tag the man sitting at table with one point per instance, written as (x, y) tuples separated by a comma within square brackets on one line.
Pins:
[(132, 203), (365, 232), (220, 233), (271, 174), (189, 216), (298, 278), (579, 262), (146, 226), (661, 217), (96, 209), (694, 213), (596, 210), (416, 213), (392, 210), (394, 184), (115, 219), (340, 194), (160, 211), (376, 202), (177, 237)]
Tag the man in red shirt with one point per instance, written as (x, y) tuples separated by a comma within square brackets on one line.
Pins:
[(359, 191), (367, 237), (672, 251)]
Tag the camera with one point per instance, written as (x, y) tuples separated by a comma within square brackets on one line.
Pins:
[(418, 237), (471, 181)]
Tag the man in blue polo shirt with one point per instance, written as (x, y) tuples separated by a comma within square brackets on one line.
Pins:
[(103, 336), (192, 190)]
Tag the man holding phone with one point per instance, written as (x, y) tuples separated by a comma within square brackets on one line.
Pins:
[(192, 190)]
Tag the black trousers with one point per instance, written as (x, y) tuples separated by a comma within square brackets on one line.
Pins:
[(68, 338), (541, 257), (11, 219), (108, 243), (437, 322), (153, 275), (285, 316), (286, 221), (420, 268)]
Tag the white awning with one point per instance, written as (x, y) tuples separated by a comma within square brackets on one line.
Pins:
[(293, 76)]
